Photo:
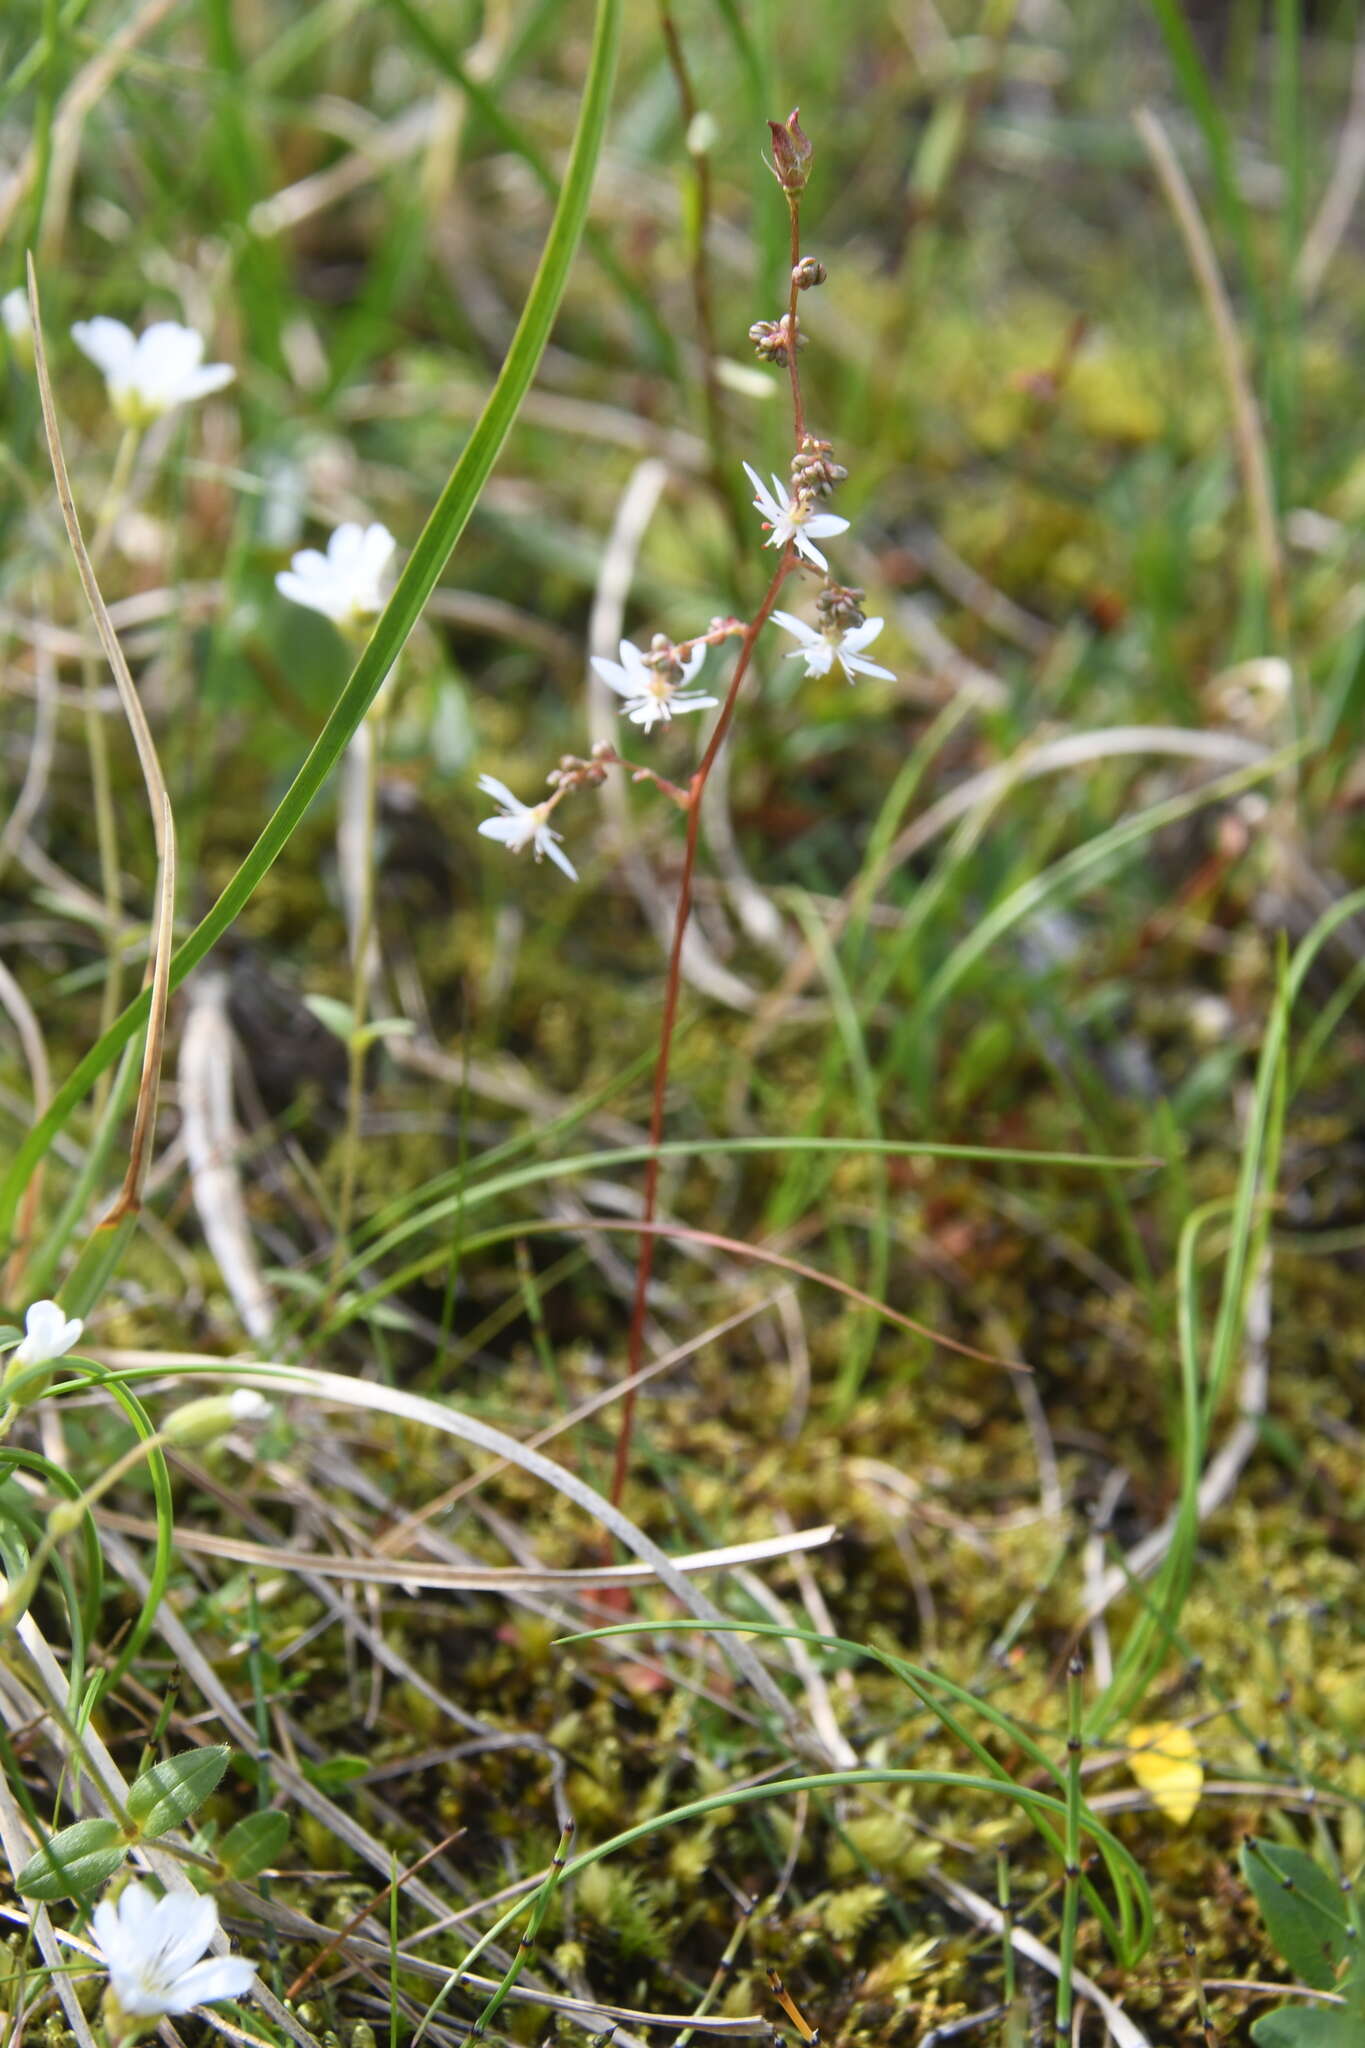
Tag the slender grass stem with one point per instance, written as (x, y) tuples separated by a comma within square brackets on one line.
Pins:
[(1071, 1893), (362, 942), (97, 753)]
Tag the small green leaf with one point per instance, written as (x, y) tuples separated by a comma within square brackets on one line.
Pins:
[(76, 1861), (1302, 1909), (1306, 2026), (335, 1773), (382, 1027), (171, 1791), (252, 1844), (338, 1017)]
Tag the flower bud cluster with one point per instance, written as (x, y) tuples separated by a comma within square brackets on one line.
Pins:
[(574, 772), (840, 608), (814, 472), (772, 339), (807, 273)]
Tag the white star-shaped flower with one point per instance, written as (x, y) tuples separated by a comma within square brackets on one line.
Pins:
[(522, 825), (650, 695), (793, 518), (151, 1949), (820, 651), (345, 583), (149, 374), (47, 1335)]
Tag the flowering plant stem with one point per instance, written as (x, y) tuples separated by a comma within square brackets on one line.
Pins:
[(696, 790), (97, 752)]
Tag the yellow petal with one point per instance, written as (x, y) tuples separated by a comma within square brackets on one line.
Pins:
[(1165, 1762)]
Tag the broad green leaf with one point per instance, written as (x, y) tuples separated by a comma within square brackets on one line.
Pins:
[(76, 1861), (171, 1791), (253, 1844), (1307, 2026), (1303, 1911)]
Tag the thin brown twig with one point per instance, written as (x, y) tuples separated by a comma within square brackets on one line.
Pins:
[(371, 1905)]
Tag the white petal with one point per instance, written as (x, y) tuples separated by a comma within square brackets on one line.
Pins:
[(560, 859), (315, 593), (346, 546), (105, 1923), (108, 343), (823, 524), (308, 562), (212, 377), (167, 357), (807, 635), (185, 1924), (801, 541), (614, 676), (819, 657), (508, 830), (858, 664), (633, 662), (692, 665), (501, 794), (216, 1977), (695, 702), (45, 1322), (764, 500), (376, 549), (863, 636), (47, 1334)]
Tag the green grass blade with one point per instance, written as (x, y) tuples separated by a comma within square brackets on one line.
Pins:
[(429, 557)]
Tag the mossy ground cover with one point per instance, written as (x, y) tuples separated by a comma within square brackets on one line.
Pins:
[(1037, 895)]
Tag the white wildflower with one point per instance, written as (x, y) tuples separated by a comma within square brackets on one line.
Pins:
[(15, 314), (345, 583), (820, 650), (653, 694), (151, 1948), (522, 825), (47, 1335), (149, 374), (793, 517)]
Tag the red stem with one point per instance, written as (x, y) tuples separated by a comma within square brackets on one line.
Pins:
[(793, 328), (673, 986), (672, 989)]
